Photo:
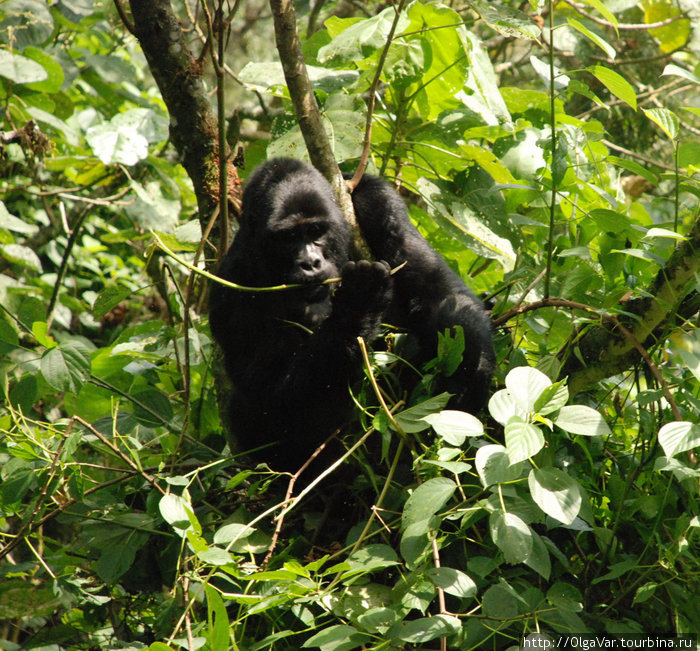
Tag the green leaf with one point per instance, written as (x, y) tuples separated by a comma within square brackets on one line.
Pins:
[(427, 499), (511, 535), (673, 69), (54, 71), (455, 426), (412, 420), (493, 465), (21, 255), (108, 298), (557, 494), (538, 559), (666, 120), (593, 37), (615, 83), (12, 223), (502, 407), (579, 419), (66, 366), (232, 532), (604, 11), (523, 440), (175, 510), (360, 39), (679, 437), (340, 637), (454, 582), (152, 408), (525, 385), (370, 558), (217, 618), (689, 154), (425, 629), (20, 69)]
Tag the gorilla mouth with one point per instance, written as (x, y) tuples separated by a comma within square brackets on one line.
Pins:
[(315, 292)]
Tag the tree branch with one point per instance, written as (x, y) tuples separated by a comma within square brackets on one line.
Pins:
[(306, 107), (192, 123), (606, 350)]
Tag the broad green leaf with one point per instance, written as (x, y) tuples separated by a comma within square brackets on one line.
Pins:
[(580, 419), (20, 69), (427, 500), (666, 120), (54, 71), (340, 637), (679, 437), (604, 11), (108, 298), (663, 232), (25, 22), (20, 598), (125, 138), (425, 629), (502, 602), (67, 366), (615, 83), (217, 618), (40, 330), (523, 440), (593, 37), (644, 592), (538, 559), (21, 255), (642, 254), (508, 21), (371, 557), (454, 582), (673, 69), (552, 399), (671, 37), (689, 154), (361, 38), (232, 533), (117, 144), (566, 596), (493, 465), (455, 426), (412, 420), (175, 510), (160, 646), (152, 408), (503, 407), (557, 494), (511, 535), (525, 385), (544, 71), (12, 223)]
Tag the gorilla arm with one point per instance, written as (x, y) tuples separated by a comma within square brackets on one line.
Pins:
[(428, 296), (291, 385)]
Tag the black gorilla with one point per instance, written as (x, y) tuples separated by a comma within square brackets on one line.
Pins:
[(291, 354)]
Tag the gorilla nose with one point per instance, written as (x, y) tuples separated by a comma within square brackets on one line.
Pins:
[(311, 265)]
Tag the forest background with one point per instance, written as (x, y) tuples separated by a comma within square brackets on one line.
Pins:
[(550, 151)]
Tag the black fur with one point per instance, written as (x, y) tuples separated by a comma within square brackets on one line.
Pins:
[(291, 354)]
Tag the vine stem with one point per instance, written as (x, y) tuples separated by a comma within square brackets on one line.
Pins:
[(552, 125)]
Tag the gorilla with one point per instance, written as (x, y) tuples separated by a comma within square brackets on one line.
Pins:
[(291, 354)]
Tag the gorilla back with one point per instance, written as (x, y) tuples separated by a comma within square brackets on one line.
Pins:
[(291, 354)]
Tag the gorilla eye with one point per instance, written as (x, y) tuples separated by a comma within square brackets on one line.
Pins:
[(316, 230)]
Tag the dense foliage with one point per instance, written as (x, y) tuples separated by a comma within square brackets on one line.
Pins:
[(549, 151)]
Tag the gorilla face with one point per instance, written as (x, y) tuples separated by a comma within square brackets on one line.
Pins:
[(291, 232)]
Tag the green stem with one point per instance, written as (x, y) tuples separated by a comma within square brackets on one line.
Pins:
[(552, 124)]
